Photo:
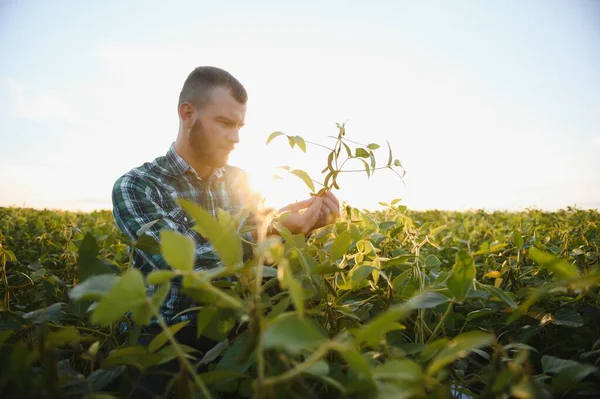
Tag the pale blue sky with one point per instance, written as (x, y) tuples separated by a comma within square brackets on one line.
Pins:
[(489, 104)]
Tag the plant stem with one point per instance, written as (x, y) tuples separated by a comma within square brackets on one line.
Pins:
[(439, 325), (300, 368), (319, 145), (197, 380), (360, 170)]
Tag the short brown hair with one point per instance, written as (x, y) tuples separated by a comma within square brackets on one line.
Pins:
[(197, 86)]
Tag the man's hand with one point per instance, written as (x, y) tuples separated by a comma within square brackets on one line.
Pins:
[(297, 222), (330, 210), (319, 212)]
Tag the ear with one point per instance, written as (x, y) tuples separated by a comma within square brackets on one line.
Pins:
[(187, 114)]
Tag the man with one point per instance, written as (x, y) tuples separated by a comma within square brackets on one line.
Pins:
[(212, 109)]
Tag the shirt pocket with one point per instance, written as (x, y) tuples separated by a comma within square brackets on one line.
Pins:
[(182, 220)]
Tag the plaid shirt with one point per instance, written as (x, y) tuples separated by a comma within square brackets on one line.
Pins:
[(150, 192)]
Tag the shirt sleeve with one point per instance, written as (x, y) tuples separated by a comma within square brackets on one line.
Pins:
[(135, 205)]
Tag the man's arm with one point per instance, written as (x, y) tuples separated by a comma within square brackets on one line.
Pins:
[(134, 205)]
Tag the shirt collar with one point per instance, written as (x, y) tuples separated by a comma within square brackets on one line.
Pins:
[(178, 166)]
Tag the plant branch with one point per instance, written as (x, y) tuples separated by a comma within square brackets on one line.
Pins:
[(439, 325), (184, 361), (302, 367), (319, 145)]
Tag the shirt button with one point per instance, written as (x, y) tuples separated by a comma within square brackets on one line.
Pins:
[(185, 219)]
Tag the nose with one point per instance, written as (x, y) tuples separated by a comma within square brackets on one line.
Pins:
[(233, 136)]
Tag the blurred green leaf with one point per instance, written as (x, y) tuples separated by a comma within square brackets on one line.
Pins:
[(362, 153), (148, 244), (568, 318), (340, 245), (125, 295), (88, 263), (459, 347), (405, 369), (300, 142), (461, 279), (178, 250), (94, 287), (273, 135), (293, 334), (205, 316), (162, 338), (553, 263), (160, 276), (305, 177), (223, 239)]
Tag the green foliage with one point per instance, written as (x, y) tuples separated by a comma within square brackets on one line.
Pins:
[(392, 303), (336, 160)]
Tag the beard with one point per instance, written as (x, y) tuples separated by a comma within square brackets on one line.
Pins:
[(199, 142)]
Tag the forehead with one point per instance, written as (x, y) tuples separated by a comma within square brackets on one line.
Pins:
[(222, 103)]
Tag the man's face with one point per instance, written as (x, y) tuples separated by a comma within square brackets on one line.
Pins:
[(215, 128)]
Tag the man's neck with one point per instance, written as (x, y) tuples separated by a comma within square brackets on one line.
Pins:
[(202, 170)]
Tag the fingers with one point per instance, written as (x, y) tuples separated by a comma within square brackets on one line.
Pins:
[(311, 215), (298, 205), (330, 207), (335, 200)]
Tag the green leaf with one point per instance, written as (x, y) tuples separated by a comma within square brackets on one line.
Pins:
[(273, 135), (291, 141), (220, 325), (305, 177), (293, 334), (553, 263), (178, 249), (367, 169), (568, 318), (373, 146), (458, 348), (223, 239), (100, 379), (374, 330), (362, 153), (126, 294), (205, 316), (68, 335), (51, 313), (432, 262), (160, 276), (319, 369), (296, 291), (405, 369), (232, 356), (218, 376), (348, 151), (461, 279), (148, 244), (499, 293), (389, 162), (162, 338), (4, 335), (87, 262), (577, 371), (517, 240), (359, 277), (356, 360), (300, 142), (94, 287), (340, 245), (426, 300)]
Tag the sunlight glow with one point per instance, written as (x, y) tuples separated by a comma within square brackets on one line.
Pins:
[(474, 128)]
